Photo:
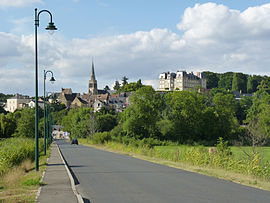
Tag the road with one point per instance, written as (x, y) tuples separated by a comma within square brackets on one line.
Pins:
[(105, 177)]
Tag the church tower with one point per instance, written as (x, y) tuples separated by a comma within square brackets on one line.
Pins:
[(92, 87)]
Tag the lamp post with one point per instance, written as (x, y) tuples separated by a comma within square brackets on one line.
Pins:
[(52, 80), (47, 120), (50, 27)]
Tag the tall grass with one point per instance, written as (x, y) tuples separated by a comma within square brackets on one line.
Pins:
[(222, 157), (14, 151)]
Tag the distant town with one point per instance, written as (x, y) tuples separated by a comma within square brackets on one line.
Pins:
[(118, 100)]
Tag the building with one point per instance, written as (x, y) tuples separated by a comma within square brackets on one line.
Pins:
[(66, 97), (92, 85), (17, 102), (79, 102), (32, 104), (181, 80)]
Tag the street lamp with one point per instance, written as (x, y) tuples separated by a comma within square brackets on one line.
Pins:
[(50, 27), (47, 120), (52, 81)]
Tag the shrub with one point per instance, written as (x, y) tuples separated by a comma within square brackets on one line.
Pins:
[(101, 138), (14, 151)]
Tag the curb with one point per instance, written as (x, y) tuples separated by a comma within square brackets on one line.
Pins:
[(41, 180), (79, 197)]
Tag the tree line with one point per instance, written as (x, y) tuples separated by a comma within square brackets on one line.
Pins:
[(234, 81), (184, 117)]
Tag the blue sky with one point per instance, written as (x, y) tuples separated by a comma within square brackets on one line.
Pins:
[(91, 18), (138, 39)]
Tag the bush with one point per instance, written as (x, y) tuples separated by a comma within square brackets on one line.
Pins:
[(15, 150), (101, 138)]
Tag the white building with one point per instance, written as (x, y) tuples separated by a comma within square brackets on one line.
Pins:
[(17, 102), (181, 80)]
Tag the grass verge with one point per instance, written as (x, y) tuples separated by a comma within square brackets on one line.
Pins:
[(215, 172), (21, 183)]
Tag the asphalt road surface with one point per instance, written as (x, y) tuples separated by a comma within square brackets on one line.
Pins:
[(105, 177)]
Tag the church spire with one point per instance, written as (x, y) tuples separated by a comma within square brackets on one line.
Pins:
[(93, 77), (92, 86)]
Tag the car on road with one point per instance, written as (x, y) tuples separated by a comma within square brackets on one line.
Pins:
[(74, 141)]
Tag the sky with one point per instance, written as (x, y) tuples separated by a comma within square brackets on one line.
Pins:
[(137, 39)]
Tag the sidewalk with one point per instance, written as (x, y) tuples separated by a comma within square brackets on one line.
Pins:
[(58, 187)]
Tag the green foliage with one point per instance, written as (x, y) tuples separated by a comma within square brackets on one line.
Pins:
[(32, 181), (26, 124), (57, 106), (106, 122), (101, 138), (106, 88), (165, 127), (222, 158), (242, 108), (140, 118), (80, 122), (59, 115), (239, 82), (258, 115), (212, 79), (250, 83), (124, 81), (131, 87), (4, 97), (225, 80), (116, 85), (8, 124), (219, 90), (226, 122), (15, 150), (2, 110)]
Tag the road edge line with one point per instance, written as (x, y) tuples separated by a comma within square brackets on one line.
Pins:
[(78, 195)]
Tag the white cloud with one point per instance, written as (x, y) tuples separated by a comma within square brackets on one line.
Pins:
[(214, 38), (18, 3), (22, 25)]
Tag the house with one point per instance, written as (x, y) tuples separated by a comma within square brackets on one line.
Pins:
[(31, 104), (118, 102), (79, 102), (181, 80), (17, 102), (66, 97), (98, 104)]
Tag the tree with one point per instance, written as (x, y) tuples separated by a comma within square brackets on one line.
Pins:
[(242, 108), (116, 85), (258, 119), (192, 119), (124, 81), (26, 124), (106, 88), (91, 126), (106, 122), (211, 79), (140, 118), (79, 120), (7, 125), (225, 108), (225, 80), (250, 84), (239, 82), (4, 97), (2, 110)]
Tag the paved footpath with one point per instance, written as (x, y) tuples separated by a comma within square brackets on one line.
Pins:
[(58, 186)]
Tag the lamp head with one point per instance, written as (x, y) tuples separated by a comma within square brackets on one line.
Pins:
[(51, 27), (52, 80)]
